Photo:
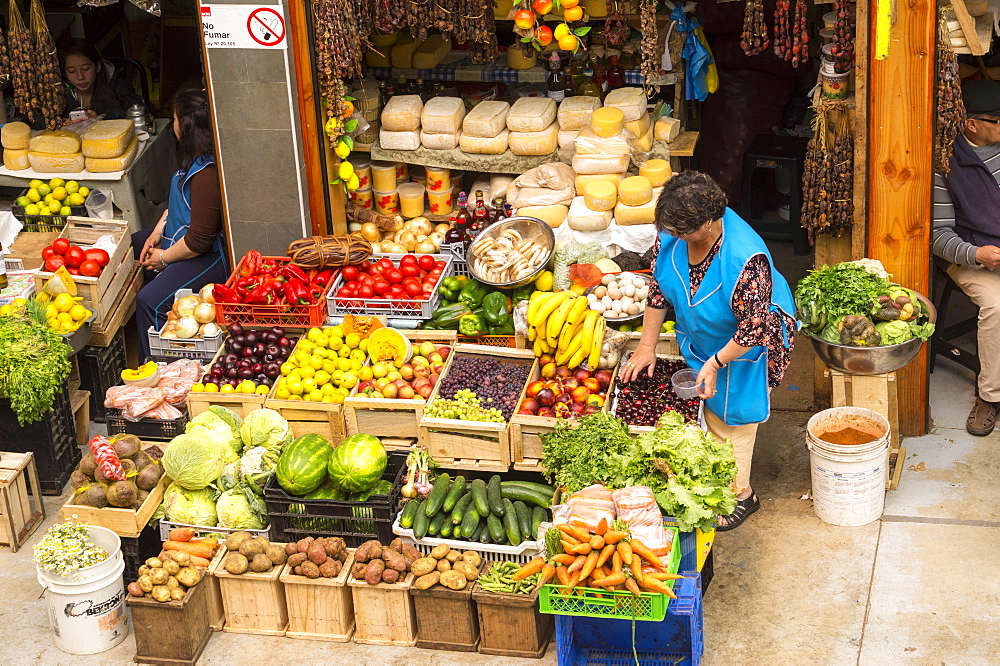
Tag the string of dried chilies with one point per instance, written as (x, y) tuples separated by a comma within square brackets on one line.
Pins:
[(828, 175), (754, 39), (791, 34), (950, 107)]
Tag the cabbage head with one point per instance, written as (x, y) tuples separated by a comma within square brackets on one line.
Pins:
[(191, 507), (236, 511), (894, 332), (265, 427), (193, 462), (221, 425)]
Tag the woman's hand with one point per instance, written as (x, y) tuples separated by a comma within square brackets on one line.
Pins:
[(155, 260), (707, 377), (152, 243), (641, 359)]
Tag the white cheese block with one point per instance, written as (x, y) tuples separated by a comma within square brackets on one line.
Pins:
[(56, 163), (631, 215), (638, 128), (535, 143), (486, 120), (57, 142), (402, 113), (600, 163), (430, 54), (574, 112), (581, 218), (15, 160), (631, 101), (439, 141), (553, 215), (398, 140), (108, 138), (531, 114), (588, 143), (15, 136), (483, 145), (666, 129), (443, 115)]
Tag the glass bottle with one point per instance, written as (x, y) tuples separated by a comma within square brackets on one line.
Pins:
[(601, 76), (556, 82), (497, 206), (575, 69), (480, 217), (616, 74), (588, 87), (456, 232)]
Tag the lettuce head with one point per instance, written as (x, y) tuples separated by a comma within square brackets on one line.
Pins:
[(193, 462), (265, 427), (238, 508), (191, 507), (894, 332)]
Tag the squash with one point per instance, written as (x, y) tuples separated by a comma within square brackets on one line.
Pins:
[(363, 326), (387, 345)]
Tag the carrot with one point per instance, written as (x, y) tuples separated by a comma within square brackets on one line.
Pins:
[(582, 549), (196, 549), (207, 541), (548, 571), (661, 552), (588, 566), (596, 542), (632, 586), (614, 537), (657, 586), (616, 561), (578, 533), (566, 529), (577, 564), (660, 575), (574, 579), (182, 534), (608, 581), (643, 551), (605, 554), (562, 575), (567, 546), (529, 569), (602, 527), (626, 552), (564, 558), (200, 562)]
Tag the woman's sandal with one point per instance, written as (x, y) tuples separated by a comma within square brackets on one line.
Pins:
[(744, 508)]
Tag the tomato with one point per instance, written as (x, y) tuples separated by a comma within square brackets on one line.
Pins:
[(366, 279), (413, 286), (440, 263), (60, 245), (433, 275), (407, 260), (75, 257), (397, 292), (90, 268), (381, 287), (353, 284), (365, 291), (54, 263), (375, 269), (394, 276), (350, 273), (98, 255), (47, 252), (385, 263), (426, 262), (409, 270), (72, 271)]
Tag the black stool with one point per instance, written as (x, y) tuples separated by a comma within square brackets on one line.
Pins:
[(766, 154), (945, 332)]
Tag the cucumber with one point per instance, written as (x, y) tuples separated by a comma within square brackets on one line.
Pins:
[(497, 506), (515, 492), (537, 487), (510, 523), (436, 498), (461, 507), (454, 493), (524, 520), (495, 528), (484, 536), (409, 511), (478, 534), (446, 530), (478, 488), (437, 521), (420, 523), (538, 516), (469, 522)]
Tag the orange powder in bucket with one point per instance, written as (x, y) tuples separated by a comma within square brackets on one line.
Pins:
[(847, 437)]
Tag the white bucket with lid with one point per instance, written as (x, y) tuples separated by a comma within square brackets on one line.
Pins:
[(848, 480)]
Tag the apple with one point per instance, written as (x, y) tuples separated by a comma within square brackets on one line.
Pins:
[(570, 383), (581, 374), (562, 372), (534, 388), (596, 399), (577, 409), (545, 359), (393, 376), (380, 383), (604, 377), (561, 410), (437, 367), (364, 386), (530, 405), (545, 411), (593, 384), (564, 398), (421, 371), (444, 351), (406, 393), (379, 370), (427, 348), (425, 391), (390, 391), (591, 409), (549, 370), (545, 397), (580, 394)]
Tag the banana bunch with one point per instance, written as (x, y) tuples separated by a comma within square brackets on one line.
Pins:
[(561, 323)]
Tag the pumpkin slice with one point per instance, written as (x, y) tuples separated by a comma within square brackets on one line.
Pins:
[(387, 345), (363, 326)]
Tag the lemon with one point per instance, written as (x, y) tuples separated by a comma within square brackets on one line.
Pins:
[(364, 345), (334, 331), (345, 171), (5, 310), (55, 206), (48, 198), (84, 191), (544, 281), (227, 388), (343, 364), (262, 390), (342, 150), (305, 346), (63, 302), (295, 388), (211, 388), (327, 389), (306, 371), (33, 196), (358, 355), (344, 352), (34, 184), (43, 189), (336, 342), (72, 186), (19, 302), (198, 388), (31, 209), (356, 365), (78, 312), (336, 399), (321, 340), (353, 182), (365, 374), (74, 200), (63, 318), (352, 340), (56, 182), (65, 210), (329, 366), (315, 396), (23, 201), (321, 377), (59, 193), (248, 386), (313, 334), (45, 212)]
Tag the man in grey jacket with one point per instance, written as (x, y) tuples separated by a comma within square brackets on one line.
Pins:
[(967, 235)]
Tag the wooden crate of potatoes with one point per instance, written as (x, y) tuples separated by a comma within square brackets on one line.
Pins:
[(254, 601)]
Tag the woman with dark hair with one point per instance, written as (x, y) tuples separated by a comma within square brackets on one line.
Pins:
[(735, 316), (93, 84), (185, 248)]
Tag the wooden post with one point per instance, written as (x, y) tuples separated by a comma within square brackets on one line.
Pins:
[(900, 145)]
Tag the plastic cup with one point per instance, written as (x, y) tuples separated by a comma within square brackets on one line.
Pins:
[(438, 180), (685, 384), (441, 202), (364, 198), (383, 176), (387, 203), (402, 172), (418, 175), (830, 20), (362, 169), (411, 199)]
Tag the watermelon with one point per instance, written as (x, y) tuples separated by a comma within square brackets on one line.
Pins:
[(381, 488), (358, 463), (328, 490), (302, 466)]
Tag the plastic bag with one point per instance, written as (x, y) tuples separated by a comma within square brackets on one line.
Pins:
[(571, 253), (589, 506), (611, 349), (164, 411), (637, 506), (546, 185), (520, 315)]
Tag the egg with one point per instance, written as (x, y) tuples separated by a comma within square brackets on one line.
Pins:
[(617, 306), (607, 300), (627, 276), (641, 293), (591, 298), (607, 279), (629, 290), (614, 285), (626, 301), (610, 314), (615, 293), (642, 306), (598, 306), (601, 291), (633, 309)]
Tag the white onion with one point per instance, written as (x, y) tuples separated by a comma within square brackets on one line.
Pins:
[(184, 307), (204, 313), (425, 247), (421, 225), (187, 327), (209, 330), (206, 295)]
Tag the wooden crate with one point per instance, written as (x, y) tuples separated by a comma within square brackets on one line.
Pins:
[(511, 625), (304, 418), (216, 611), (21, 507), (103, 335), (254, 602), (123, 522), (472, 444), (320, 609), (877, 393), (241, 403), (28, 248), (384, 613), (79, 402), (99, 294), (666, 344), (446, 619), (172, 632)]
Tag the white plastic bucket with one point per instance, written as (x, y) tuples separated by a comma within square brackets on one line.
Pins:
[(88, 613), (848, 481)]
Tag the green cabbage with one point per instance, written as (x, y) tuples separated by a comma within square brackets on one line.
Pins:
[(894, 332), (265, 427), (191, 507), (239, 509), (193, 462), (221, 426)]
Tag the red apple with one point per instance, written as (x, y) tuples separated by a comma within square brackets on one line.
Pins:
[(534, 388), (591, 409), (604, 377), (530, 405), (364, 386), (581, 374), (549, 370), (570, 383), (593, 384), (580, 394), (563, 372), (596, 399), (546, 411), (561, 410), (407, 393), (425, 391), (545, 359), (546, 398), (400, 383), (444, 351), (564, 398)]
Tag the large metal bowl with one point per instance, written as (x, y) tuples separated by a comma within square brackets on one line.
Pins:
[(528, 227), (870, 360)]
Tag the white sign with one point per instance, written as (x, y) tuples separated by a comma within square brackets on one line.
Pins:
[(243, 27)]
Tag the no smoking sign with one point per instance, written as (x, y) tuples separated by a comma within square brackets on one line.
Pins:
[(243, 26)]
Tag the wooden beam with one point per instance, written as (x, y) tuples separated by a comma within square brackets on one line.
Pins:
[(900, 144)]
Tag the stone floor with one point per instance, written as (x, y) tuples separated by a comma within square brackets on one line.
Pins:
[(920, 586)]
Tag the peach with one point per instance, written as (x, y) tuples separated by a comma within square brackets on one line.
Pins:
[(425, 391), (407, 393), (444, 351), (580, 394), (593, 384), (563, 372), (548, 370), (422, 371), (596, 399), (406, 371), (427, 348), (390, 391), (534, 388)]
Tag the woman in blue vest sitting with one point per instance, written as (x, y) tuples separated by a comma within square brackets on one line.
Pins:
[(185, 248), (734, 311)]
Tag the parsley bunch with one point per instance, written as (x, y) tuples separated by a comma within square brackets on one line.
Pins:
[(34, 363), (843, 289)]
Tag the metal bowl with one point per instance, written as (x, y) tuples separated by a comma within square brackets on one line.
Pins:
[(871, 360), (528, 227)]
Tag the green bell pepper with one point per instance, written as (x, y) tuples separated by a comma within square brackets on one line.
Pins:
[(472, 294), (452, 286), (446, 317), (521, 294), (507, 328), (472, 326), (495, 306)]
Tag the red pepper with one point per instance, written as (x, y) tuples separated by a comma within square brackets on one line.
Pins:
[(315, 292), (224, 294), (269, 268), (296, 292), (251, 264), (262, 295), (323, 278), (293, 272)]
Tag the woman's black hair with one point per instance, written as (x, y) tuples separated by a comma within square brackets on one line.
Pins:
[(191, 109), (688, 201), (103, 97)]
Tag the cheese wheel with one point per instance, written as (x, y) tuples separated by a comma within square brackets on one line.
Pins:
[(403, 50), (635, 191), (398, 140), (15, 136), (588, 143), (535, 143), (667, 129), (631, 215), (532, 114), (582, 180), (607, 121), (600, 195), (631, 101), (402, 113), (644, 143), (15, 160), (439, 141), (657, 172), (553, 215), (582, 218), (442, 115), (480, 145)]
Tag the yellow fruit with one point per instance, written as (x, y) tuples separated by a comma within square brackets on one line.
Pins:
[(63, 302), (356, 365), (34, 184), (262, 390), (43, 189), (84, 191), (56, 182), (327, 389), (31, 209), (211, 388), (346, 170), (5, 310), (281, 393), (365, 374), (322, 377), (364, 345), (315, 396), (23, 201), (353, 182), (352, 340), (305, 346), (544, 281), (198, 388), (568, 42), (227, 388), (321, 341), (33, 195), (72, 187), (329, 366), (336, 399), (344, 352), (573, 13), (295, 388), (342, 151), (78, 312), (344, 364), (286, 368), (65, 210), (308, 384), (45, 212), (74, 200), (334, 331), (59, 193), (336, 342), (55, 206), (305, 372), (561, 31), (313, 333)]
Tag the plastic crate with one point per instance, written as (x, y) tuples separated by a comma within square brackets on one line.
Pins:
[(203, 530), (294, 518), (459, 264), (100, 369), (136, 550), (689, 546), (145, 429), (44, 223), (522, 554), (52, 439), (649, 606), (677, 639), (504, 341), (406, 309), (287, 316), (202, 349)]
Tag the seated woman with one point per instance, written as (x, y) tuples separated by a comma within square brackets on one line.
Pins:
[(94, 84), (185, 248)]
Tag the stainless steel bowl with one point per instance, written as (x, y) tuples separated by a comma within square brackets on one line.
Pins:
[(870, 360), (528, 227)]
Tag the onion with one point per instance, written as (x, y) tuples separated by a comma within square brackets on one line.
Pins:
[(425, 247), (377, 248), (204, 313), (187, 327), (354, 226), (206, 295), (168, 335), (184, 307), (209, 330), (407, 239), (421, 225), (437, 237), (370, 232), (442, 228), (171, 316)]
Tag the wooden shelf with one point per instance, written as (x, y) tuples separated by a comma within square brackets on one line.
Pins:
[(978, 30)]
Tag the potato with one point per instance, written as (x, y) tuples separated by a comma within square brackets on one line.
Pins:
[(358, 570), (264, 543), (144, 570), (303, 544), (423, 566), (146, 583), (473, 558), (410, 552), (276, 554), (291, 548), (443, 565), (453, 556), (154, 563), (297, 559), (317, 553), (440, 551), (250, 548), (427, 581), (172, 582), (368, 551), (260, 563), (331, 568), (171, 567), (393, 560), (297, 571), (235, 540), (396, 544), (177, 593), (135, 590), (161, 593), (454, 580), (390, 576), (470, 572), (310, 570), (336, 548), (373, 572), (190, 576), (159, 576), (181, 558), (237, 563)]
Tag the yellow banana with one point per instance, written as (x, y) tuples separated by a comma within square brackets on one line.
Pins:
[(574, 346), (555, 321), (531, 333), (537, 297), (595, 351), (538, 345), (577, 358), (565, 335), (589, 328), (546, 307), (580, 304)]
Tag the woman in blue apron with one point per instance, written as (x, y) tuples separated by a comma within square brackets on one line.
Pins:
[(734, 311), (185, 248)]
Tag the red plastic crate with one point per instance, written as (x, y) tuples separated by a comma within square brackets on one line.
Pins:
[(288, 316)]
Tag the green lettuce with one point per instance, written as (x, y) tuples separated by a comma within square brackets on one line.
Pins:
[(265, 427), (894, 332), (191, 507), (221, 426), (240, 508)]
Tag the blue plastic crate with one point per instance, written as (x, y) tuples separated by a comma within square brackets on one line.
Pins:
[(677, 639)]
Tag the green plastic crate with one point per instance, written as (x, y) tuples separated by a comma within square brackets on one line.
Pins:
[(650, 606)]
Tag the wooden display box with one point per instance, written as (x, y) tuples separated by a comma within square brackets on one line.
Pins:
[(446, 619), (384, 613), (472, 444), (99, 294), (20, 515), (79, 402), (319, 609), (319, 418), (172, 632), (123, 522), (241, 403), (216, 611), (511, 625), (384, 417), (103, 335), (254, 602), (666, 344)]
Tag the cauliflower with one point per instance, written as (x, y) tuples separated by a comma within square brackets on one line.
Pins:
[(873, 266), (257, 466)]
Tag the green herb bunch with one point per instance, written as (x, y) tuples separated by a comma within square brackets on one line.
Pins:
[(844, 289), (34, 364)]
